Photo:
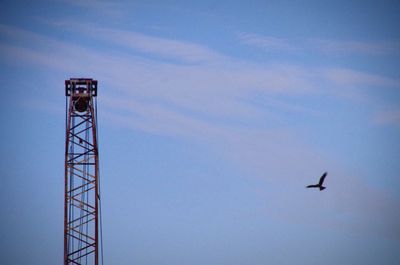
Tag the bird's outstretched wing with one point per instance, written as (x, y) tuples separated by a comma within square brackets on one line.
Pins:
[(321, 180), (312, 186)]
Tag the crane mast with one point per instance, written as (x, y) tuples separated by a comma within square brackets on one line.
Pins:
[(81, 202)]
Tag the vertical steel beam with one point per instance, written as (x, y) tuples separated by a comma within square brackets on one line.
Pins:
[(81, 202)]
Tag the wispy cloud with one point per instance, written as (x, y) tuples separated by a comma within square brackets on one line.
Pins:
[(221, 87), (212, 102), (267, 42), (325, 46), (355, 47), (387, 117), (172, 49), (142, 44), (350, 77), (207, 92), (101, 7)]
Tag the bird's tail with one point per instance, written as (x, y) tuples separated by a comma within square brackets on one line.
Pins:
[(322, 188)]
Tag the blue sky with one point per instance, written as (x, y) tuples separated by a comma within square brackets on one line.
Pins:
[(213, 117)]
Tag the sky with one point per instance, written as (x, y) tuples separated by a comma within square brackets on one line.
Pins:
[(213, 116)]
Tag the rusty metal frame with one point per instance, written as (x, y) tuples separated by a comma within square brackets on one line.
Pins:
[(81, 202)]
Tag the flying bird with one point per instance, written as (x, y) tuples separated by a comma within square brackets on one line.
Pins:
[(321, 181)]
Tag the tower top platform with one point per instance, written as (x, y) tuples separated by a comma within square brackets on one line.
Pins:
[(76, 86)]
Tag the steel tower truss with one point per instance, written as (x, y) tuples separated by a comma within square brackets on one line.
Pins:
[(81, 227)]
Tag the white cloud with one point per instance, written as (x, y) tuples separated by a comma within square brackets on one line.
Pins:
[(136, 42), (223, 89), (211, 102), (350, 77), (387, 117), (267, 42), (179, 50), (355, 47), (112, 9), (326, 46)]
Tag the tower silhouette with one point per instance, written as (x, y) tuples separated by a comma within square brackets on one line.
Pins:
[(81, 203)]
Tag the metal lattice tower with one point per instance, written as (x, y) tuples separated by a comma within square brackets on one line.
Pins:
[(81, 212)]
